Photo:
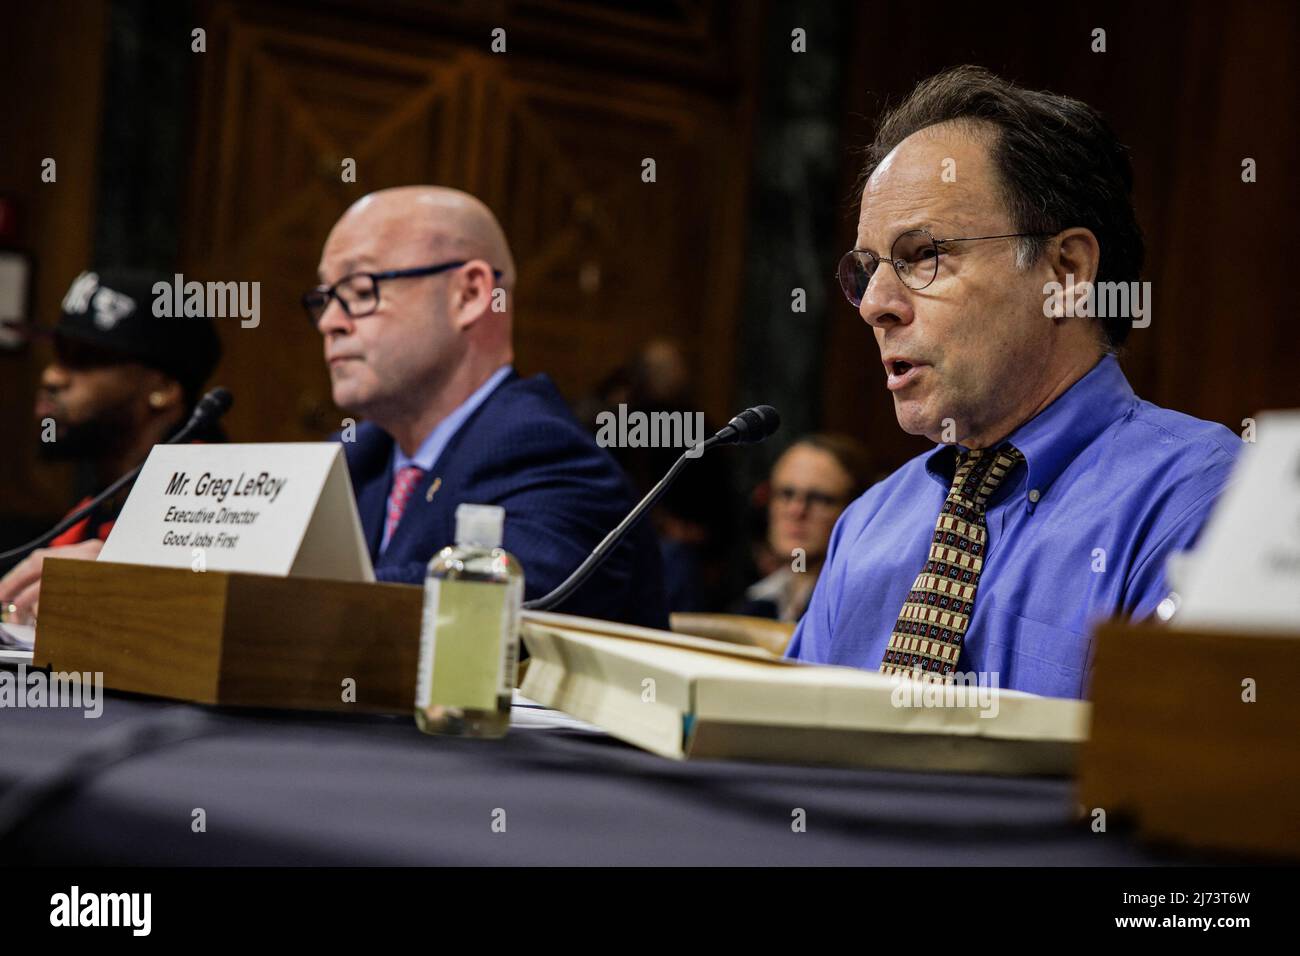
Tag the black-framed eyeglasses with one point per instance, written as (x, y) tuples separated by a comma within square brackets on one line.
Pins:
[(814, 500), (358, 293), (914, 256)]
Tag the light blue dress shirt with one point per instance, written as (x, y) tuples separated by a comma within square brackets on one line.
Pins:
[(1081, 531), (430, 450)]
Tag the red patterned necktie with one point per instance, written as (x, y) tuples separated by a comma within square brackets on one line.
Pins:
[(927, 638), (404, 483)]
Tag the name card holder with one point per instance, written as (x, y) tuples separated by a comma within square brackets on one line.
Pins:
[(1178, 745), (233, 639)]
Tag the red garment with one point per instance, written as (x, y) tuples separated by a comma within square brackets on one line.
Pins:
[(81, 531)]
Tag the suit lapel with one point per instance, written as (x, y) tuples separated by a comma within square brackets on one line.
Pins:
[(452, 463), (371, 504), (368, 467), (429, 519)]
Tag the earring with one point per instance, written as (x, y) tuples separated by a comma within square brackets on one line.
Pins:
[(157, 399)]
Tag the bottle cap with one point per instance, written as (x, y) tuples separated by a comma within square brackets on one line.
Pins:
[(479, 526)]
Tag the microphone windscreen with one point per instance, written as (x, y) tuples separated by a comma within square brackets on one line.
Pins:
[(209, 408), (771, 419), (216, 403), (755, 424)]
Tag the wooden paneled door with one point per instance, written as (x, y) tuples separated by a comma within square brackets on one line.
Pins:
[(554, 146)]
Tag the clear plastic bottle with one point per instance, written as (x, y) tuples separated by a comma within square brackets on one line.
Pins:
[(469, 635)]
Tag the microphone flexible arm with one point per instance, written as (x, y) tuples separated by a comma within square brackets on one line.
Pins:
[(750, 426), (211, 407), (583, 571)]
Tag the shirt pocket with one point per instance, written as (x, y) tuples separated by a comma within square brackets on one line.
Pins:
[(1034, 656)]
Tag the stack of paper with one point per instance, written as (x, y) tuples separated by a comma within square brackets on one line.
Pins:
[(16, 643), (18, 636)]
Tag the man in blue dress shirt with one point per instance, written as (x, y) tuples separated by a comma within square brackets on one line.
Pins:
[(415, 309), (1056, 494)]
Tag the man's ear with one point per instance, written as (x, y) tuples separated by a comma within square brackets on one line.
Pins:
[(1076, 253), (472, 293)]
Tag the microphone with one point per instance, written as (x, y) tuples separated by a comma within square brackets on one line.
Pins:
[(209, 408), (749, 427)]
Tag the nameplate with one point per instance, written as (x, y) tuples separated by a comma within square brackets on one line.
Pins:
[(278, 509), (1245, 572)]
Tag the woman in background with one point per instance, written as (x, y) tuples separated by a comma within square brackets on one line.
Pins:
[(810, 486)]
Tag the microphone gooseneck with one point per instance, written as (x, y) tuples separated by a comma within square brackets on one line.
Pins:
[(209, 408), (751, 426)]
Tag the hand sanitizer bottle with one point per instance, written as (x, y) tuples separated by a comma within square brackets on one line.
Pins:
[(469, 636)]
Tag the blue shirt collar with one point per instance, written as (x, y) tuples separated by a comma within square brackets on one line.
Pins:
[(1056, 435), (430, 450)]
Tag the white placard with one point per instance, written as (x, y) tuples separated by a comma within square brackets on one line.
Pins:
[(1244, 574), (278, 509)]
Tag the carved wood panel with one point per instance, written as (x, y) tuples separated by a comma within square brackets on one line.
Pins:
[(606, 260)]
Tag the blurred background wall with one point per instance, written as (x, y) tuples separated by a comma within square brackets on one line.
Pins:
[(227, 164)]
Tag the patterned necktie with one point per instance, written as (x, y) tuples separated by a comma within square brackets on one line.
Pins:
[(404, 483), (928, 636)]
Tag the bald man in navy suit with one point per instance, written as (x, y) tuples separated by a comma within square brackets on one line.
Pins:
[(415, 308)]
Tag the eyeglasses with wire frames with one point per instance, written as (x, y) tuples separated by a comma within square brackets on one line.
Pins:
[(914, 256), (358, 292)]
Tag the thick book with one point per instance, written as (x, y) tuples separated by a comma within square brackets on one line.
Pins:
[(691, 698)]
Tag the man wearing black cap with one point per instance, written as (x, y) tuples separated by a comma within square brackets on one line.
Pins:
[(121, 382)]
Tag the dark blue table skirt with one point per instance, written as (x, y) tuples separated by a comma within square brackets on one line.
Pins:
[(308, 789)]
